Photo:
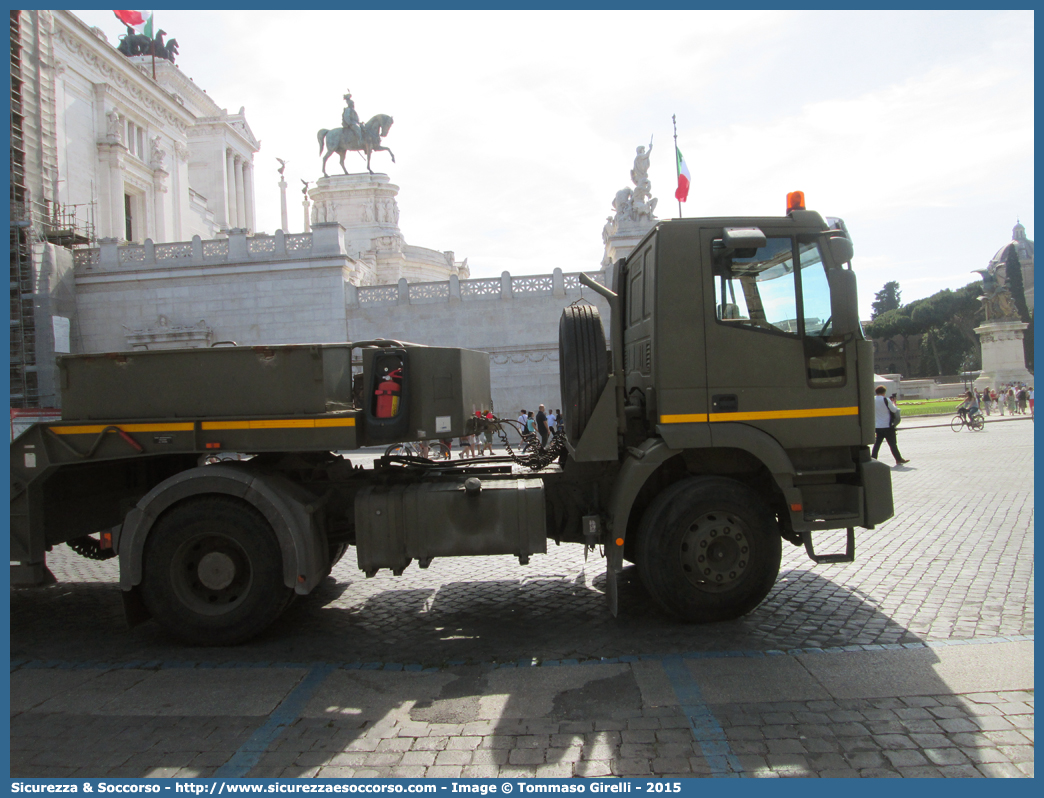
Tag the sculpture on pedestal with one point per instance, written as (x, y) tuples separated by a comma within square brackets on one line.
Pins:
[(633, 210), (157, 156), (114, 126), (140, 44), (634, 207), (352, 136), (996, 298)]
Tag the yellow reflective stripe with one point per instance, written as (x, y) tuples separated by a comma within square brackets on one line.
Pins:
[(279, 423), (96, 428), (762, 415)]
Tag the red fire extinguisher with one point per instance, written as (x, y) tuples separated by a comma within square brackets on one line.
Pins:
[(388, 394)]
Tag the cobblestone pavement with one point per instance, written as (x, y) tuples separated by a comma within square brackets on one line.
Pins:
[(954, 566)]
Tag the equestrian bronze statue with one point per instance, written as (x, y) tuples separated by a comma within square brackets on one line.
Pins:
[(359, 138)]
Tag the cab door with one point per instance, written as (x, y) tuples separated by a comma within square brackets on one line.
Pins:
[(772, 360)]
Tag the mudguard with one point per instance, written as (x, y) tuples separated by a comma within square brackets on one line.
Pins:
[(287, 507)]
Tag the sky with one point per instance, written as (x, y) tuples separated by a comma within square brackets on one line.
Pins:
[(515, 129)]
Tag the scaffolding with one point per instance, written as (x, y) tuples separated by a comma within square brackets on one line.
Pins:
[(24, 391), (34, 219)]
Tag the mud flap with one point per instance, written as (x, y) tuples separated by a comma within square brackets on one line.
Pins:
[(613, 567), (848, 556), (134, 608)]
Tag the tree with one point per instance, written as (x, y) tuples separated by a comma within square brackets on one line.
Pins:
[(1013, 277), (946, 320), (885, 300)]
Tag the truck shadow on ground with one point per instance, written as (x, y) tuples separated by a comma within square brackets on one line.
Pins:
[(552, 717), (496, 621)]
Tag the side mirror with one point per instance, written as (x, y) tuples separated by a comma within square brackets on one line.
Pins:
[(844, 299), (841, 249)]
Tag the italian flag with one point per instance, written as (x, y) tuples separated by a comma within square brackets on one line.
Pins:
[(683, 178), (140, 21)]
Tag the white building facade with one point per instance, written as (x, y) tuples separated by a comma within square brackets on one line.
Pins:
[(156, 157)]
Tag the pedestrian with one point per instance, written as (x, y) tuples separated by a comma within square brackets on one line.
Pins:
[(530, 423), (467, 446), (1011, 401), (1031, 401), (985, 404), (541, 426), (1023, 399), (883, 410), (488, 435), (552, 422), (522, 419)]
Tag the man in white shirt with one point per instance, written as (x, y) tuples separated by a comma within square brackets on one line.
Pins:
[(883, 409)]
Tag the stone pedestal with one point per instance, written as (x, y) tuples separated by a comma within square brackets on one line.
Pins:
[(1003, 359), (365, 207), (622, 243)]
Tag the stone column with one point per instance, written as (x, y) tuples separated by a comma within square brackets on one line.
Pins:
[(230, 190), (180, 157), (248, 191), (240, 194), (117, 215), (282, 207), (159, 189)]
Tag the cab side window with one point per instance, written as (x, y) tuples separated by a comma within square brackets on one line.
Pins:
[(756, 289)]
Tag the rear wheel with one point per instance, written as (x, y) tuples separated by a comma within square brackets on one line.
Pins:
[(977, 424), (583, 366), (399, 450), (438, 451), (213, 572), (708, 549)]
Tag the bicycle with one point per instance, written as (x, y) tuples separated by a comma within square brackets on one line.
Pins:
[(425, 450), (975, 422)]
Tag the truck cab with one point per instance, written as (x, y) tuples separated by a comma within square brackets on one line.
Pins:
[(738, 363)]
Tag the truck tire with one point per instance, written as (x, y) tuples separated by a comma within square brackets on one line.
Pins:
[(583, 367), (213, 572), (708, 549)]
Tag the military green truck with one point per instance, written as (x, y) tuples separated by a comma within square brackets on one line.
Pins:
[(731, 411)]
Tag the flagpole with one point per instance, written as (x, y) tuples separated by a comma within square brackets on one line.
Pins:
[(677, 169)]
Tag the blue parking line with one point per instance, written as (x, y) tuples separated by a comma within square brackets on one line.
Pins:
[(288, 711), (707, 732)]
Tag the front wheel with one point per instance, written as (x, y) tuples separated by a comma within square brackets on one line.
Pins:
[(213, 572), (957, 424), (708, 549)]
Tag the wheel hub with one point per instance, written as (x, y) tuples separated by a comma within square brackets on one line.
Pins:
[(716, 551), (216, 570), (211, 574)]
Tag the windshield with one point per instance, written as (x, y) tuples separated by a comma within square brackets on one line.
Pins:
[(759, 289)]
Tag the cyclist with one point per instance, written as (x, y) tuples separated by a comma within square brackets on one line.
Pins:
[(969, 408)]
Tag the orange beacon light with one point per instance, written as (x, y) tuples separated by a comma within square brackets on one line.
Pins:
[(795, 201)]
